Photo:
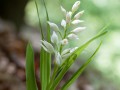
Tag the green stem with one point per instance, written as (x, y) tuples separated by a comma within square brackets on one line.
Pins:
[(65, 34), (41, 31), (53, 77)]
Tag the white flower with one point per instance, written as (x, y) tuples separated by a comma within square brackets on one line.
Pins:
[(68, 17), (77, 30), (54, 38), (58, 58), (63, 23), (47, 46), (72, 36), (72, 50), (76, 22), (63, 10), (53, 26), (78, 15), (70, 13), (66, 56), (75, 6), (66, 51), (64, 42)]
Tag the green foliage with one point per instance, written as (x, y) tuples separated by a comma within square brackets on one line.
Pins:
[(30, 71)]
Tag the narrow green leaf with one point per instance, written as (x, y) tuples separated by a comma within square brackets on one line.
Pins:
[(79, 71), (48, 56), (69, 61), (45, 59), (40, 25), (30, 71)]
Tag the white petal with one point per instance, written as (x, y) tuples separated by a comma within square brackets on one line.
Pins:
[(70, 13), (53, 26), (66, 51), (78, 15), (44, 48), (75, 6), (54, 38), (68, 17), (64, 42), (63, 23), (72, 50), (66, 56), (72, 36), (77, 30), (76, 22), (63, 10), (48, 46), (58, 58)]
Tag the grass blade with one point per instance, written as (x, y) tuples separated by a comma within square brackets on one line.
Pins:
[(40, 25), (30, 71), (79, 71), (45, 59)]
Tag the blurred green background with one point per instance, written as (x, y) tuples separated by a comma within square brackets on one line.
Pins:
[(104, 71)]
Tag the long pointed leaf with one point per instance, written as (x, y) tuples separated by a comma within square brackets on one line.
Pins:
[(79, 71), (45, 60), (30, 72)]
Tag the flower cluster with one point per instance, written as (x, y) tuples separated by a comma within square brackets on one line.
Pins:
[(58, 39)]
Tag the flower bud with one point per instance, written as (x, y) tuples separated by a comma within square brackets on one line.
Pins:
[(75, 6), (64, 42), (72, 50), (63, 10), (53, 26), (47, 46), (63, 23), (58, 58), (66, 56), (54, 38), (72, 36), (78, 15), (68, 17), (77, 30), (76, 22), (66, 51)]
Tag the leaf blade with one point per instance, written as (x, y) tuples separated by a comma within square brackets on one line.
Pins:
[(30, 71), (79, 71)]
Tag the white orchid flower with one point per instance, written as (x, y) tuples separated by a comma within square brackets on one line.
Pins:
[(72, 36), (78, 15), (72, 50), (68, 17), (58, 58), (53, 26), (77, 30), (75, 22), (64, 42), (66, 51), (64, 57), (63, 23), (75, 6), (47, 46), (63, 10), (54, 38)]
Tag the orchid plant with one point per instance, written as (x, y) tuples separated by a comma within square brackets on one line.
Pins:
[(55, 44)]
